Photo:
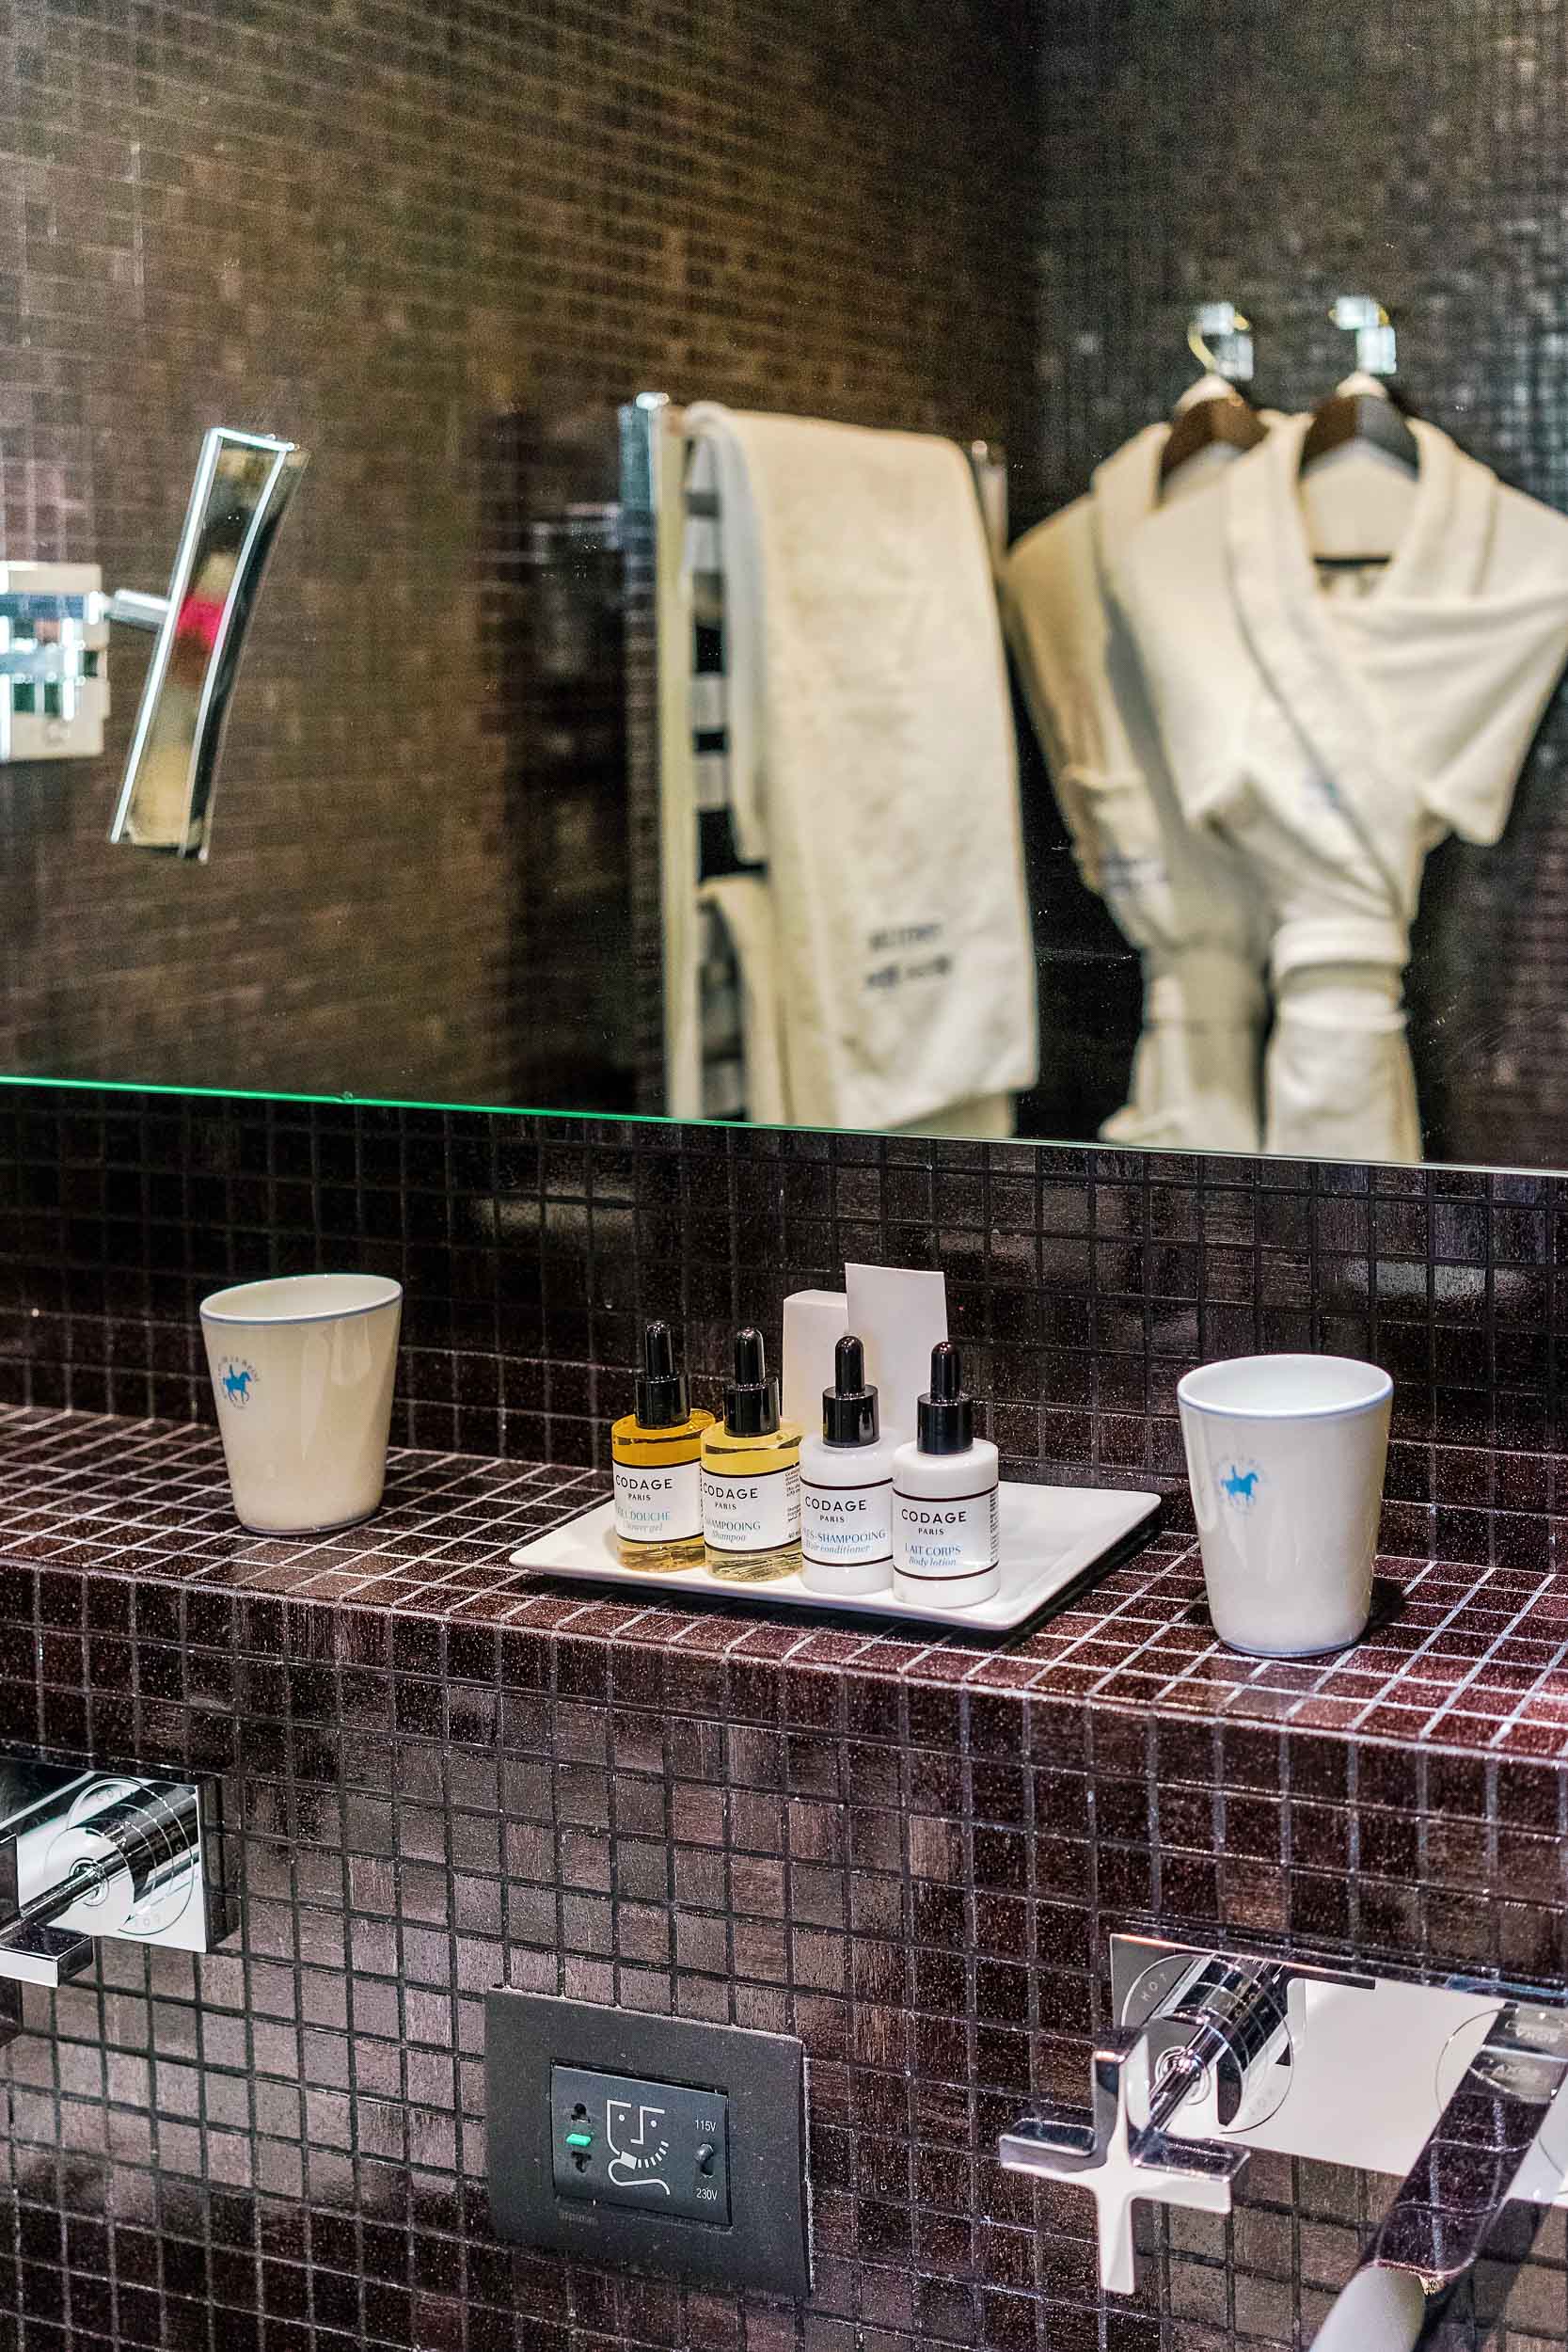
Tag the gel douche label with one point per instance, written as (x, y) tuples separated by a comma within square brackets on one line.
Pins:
[(658, 1506)]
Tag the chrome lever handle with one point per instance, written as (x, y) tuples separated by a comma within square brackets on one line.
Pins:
[(1117, 2163), (1196, 2025), (32, 1950), (244, 483)]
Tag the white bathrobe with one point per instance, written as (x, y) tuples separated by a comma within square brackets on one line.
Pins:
[(1333, 740), (1177, 894)]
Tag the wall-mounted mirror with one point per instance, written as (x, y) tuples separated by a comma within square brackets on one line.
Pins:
[(991, 567)]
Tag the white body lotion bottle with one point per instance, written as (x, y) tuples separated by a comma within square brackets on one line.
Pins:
[(847, 1487), (946, 1549)]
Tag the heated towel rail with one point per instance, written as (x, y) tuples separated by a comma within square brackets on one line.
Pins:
[(682, 835)]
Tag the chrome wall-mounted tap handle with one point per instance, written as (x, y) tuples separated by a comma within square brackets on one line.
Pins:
[(244, 483), (1118, 2163), (111, 1857), (33, 1950), (1204, 2040), (1459, 2087)]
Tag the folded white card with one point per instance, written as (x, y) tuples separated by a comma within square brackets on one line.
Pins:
[(900, 1314), (814, 1323)]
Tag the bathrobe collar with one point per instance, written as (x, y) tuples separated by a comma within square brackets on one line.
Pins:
[(1442, 551), (1125, 490), (1399, 694)]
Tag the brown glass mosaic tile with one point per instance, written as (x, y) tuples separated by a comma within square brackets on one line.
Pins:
[(913, 1868), (862, 1841), (437, 245), (1082, 1284), (909, 1852), (1470, 1658)]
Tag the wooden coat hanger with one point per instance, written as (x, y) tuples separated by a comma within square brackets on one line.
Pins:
[(1362, 409), (1211, 413)]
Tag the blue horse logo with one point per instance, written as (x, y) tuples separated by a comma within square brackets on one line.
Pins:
[(237, 1380), (1239, 1486)]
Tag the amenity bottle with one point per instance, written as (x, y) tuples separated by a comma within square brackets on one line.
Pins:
[(655, 1454), (847, 1487), (752, 1477), (945, 1520)]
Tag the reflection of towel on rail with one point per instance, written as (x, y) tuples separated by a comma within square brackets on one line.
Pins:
[(872, 764), (1177, 893), (741, 903), (1332, 741)]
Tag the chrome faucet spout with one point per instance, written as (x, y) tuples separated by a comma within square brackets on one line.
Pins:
[(1454, 2205), (244, 483)]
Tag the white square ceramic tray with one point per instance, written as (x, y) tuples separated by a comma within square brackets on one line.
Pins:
[(1052, 1539)]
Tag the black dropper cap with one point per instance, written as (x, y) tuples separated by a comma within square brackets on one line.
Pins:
[(849, 1407), (663, 1395), (945, 1417), (752, 1402)]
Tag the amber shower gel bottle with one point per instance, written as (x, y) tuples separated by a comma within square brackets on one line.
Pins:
[(656, 1452), (752, 1477)]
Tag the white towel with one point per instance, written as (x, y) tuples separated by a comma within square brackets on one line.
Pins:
[(742, 904), (872, 764), (988, 1117)]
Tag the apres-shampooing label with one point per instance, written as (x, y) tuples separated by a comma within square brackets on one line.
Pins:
[(851, 1526)]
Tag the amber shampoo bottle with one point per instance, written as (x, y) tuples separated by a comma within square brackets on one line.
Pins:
[(752, 1477)]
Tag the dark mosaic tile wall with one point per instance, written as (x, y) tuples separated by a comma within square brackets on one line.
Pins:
[(1083, 1284), (437, 243), (281, 2145), (1278, 158)]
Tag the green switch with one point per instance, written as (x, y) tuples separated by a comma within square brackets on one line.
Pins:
[(579, 2140)]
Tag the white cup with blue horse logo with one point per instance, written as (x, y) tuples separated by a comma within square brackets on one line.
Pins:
[(302, 1370), (1285, 1454)]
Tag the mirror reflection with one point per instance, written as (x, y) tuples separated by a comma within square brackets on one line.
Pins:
[(935, 574), (1276, 661)]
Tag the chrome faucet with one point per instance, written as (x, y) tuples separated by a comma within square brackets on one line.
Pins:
[(91, 1855), (1209, 2026), (1453, 2085), (55, 634), (1447, 2212)]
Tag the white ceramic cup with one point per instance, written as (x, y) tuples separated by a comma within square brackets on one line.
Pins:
[(302, 1369), (1285, 1454)]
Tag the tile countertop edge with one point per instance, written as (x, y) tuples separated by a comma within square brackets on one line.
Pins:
[(1465, 1688)]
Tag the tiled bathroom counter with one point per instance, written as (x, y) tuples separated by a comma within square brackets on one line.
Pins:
[(1460, 1657), (442, 1777), (912, 1856)]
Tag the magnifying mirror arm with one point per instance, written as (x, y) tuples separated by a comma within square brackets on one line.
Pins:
[(134, 611), (244, 483)]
